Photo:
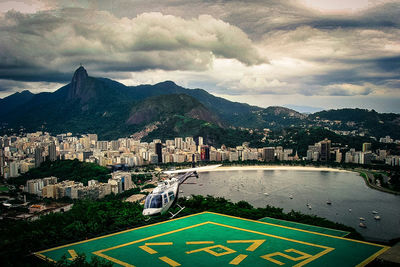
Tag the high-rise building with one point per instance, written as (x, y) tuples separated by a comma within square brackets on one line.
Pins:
[(92, 137), (38, 156), (366, 147), (2, 162), (52, 152), (14, 166), (159, 152), (325, 153), (178, 142), (205, 153), (114, 145), (268, 154)]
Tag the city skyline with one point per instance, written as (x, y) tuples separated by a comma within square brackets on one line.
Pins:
[(297, 53)]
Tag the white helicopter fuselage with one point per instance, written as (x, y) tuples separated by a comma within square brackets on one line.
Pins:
[(162, 197), (166, 192)]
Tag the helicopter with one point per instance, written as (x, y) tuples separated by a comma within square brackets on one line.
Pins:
[(165, 195)]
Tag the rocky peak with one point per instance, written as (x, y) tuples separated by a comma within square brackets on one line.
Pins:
[(79, 84)]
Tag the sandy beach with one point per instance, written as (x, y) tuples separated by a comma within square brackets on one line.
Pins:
[(274, 167)]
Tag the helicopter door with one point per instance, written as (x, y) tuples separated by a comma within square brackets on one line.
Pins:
[(165, 199), (171, 195)]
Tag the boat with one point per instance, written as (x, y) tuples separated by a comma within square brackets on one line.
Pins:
[(362, 219), (377, 217), (329, 202), (309, 207), (374, 212), (349, 210), (291, 196), (266, 194), (362, 225)]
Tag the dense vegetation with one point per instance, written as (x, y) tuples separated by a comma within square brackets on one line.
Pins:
[(378, 124), (90, 218), (73, 170), (181, 126)]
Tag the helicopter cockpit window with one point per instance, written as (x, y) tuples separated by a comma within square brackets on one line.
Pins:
[(147, 202), (156, 202), (171, 195), (165, 199)]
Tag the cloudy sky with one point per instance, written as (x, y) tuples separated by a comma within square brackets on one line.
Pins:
[(316, 53)]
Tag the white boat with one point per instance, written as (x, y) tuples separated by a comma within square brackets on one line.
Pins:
[(362, 219), (349, 210), (291, 197), (329, 202), (377, 217), (374, 212), (266, 194), (309, 207), (362, 225)]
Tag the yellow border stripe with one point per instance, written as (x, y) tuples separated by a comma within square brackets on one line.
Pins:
[(372, 257)]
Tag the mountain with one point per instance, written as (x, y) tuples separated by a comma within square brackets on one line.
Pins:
[(232, 112), (17, 99), (105, 107), (165, 110), (161, 108)]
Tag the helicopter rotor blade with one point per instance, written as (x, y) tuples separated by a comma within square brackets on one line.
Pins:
[(205, 168)]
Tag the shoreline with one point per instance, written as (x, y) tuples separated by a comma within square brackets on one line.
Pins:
[(274, 167)]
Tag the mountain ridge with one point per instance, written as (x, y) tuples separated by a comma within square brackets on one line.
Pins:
[(93, 104)]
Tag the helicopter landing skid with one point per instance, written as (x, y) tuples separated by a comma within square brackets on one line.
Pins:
[(174, 214)]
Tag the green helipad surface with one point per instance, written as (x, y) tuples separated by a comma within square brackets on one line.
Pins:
[(307, 227), (210, 239)]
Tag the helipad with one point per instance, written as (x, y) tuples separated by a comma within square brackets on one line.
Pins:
[(210, 239)]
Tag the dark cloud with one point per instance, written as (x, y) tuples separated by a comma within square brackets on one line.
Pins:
[(311, 52)]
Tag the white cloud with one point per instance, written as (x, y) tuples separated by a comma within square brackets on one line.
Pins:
[(62, 39)]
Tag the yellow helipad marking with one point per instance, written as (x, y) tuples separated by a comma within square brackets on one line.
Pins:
[(199, 242), (73, 254), (238, 259), (212, 252), (169, 261), (252, 247), (302, 257), (152, 251)]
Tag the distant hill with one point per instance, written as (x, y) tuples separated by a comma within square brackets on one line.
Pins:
[(376, 124)]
